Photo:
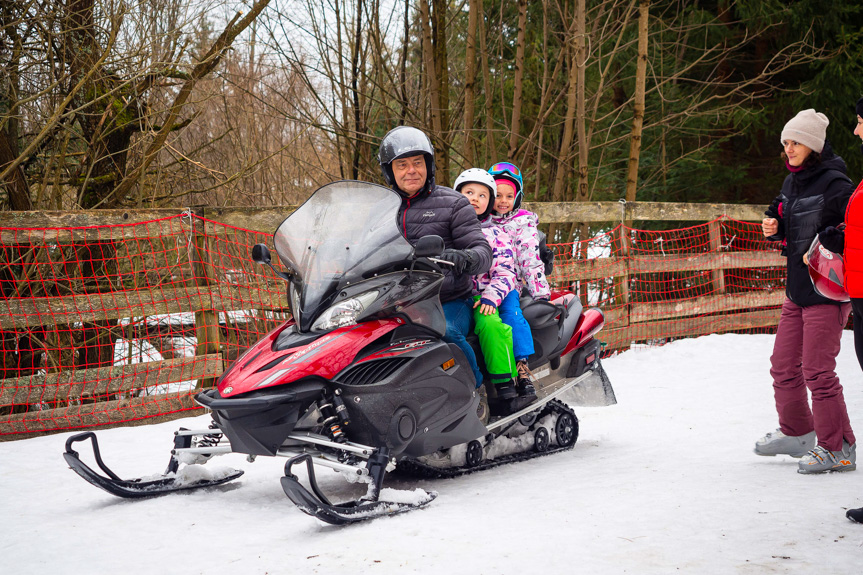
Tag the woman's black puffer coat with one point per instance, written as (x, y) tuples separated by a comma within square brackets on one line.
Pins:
[(810, 200)]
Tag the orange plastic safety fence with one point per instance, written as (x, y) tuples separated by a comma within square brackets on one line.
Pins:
[(721, 276), (111, 324)]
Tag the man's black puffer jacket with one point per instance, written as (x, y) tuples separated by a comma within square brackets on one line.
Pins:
[(810, 200), (446, 213)]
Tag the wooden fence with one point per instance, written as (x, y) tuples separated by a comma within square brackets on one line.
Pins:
[(203, 291)]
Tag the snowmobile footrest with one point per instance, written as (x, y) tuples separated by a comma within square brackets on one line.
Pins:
[(132, 488), (317, 505)]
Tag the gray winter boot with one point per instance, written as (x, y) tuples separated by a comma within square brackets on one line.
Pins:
[(777, 443), (820, 460)]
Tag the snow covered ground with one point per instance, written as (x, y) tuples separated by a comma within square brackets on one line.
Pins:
[(663, 482)]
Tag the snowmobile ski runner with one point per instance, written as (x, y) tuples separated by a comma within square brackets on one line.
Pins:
[(169, 482), (360, 380)]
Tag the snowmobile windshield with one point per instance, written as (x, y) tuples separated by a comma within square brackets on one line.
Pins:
[(344, 232)]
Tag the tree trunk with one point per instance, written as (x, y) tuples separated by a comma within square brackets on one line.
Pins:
[(15, 184), (344, 142), (470, 82), (518, 80), (638, 117), (580, 61), (403, 86), (431, 78), (441, 67), (355, 93), (17, 189), (559, 194), (490, 148)]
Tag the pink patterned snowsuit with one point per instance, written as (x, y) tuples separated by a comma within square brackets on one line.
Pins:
[(501, 278), (521, 226)]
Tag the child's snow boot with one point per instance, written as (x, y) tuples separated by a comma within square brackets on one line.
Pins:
[(821, 460), (777, 443), (855, 515), (526, 390)]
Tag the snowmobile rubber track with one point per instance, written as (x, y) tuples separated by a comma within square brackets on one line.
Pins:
[(416, 468), (130, 488)]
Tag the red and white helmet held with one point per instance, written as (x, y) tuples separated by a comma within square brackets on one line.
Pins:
[(827, 271)]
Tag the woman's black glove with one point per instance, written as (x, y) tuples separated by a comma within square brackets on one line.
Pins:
[(462, 260), (833, 239)]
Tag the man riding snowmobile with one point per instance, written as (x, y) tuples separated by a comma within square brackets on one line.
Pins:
[(407, 161)]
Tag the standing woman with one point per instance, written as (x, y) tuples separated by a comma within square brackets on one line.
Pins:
[(813, 197)]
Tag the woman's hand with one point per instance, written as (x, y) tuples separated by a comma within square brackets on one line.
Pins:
[(769, 227)]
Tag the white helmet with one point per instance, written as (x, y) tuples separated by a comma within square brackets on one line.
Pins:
[(478, 176)]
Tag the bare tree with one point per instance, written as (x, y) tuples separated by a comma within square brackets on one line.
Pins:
[(638, 116)]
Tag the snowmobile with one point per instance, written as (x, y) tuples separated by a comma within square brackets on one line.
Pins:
[(359, 380)]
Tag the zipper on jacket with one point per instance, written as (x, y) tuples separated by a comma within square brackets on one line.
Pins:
[(405, 219)]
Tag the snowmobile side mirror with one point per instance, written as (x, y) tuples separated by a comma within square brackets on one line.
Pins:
[(261, 255), (429, 246)]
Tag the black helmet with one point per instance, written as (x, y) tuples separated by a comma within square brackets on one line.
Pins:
[(404, 142)]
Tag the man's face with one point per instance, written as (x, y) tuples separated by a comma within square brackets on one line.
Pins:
[(410, 173)]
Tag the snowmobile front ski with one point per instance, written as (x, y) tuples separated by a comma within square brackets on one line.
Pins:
[(169, 482), (371, 506)]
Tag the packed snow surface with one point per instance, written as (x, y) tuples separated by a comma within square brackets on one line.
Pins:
[(663, 482)]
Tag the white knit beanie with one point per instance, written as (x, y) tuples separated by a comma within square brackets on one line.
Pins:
[(808, 128)]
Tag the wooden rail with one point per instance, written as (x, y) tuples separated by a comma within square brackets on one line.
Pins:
[(203, 289), (266, 220)]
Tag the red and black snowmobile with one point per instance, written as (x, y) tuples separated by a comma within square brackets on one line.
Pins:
[(360, 380)]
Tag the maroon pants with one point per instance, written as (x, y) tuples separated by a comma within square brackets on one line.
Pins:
[(804, 356)]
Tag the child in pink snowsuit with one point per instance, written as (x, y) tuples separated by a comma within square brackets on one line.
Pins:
[(490, 289), (521, 226)]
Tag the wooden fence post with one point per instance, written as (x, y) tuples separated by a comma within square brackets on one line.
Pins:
[(718, 276), (623, 237), (207, 319)]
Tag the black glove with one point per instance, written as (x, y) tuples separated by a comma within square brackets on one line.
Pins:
[(833, 239), (546, 255), (462, 260)]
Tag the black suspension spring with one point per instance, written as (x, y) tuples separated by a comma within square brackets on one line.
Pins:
[(330, 420), (210, 439)]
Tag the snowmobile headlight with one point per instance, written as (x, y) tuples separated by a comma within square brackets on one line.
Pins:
[(295, 302), (345, 312)]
